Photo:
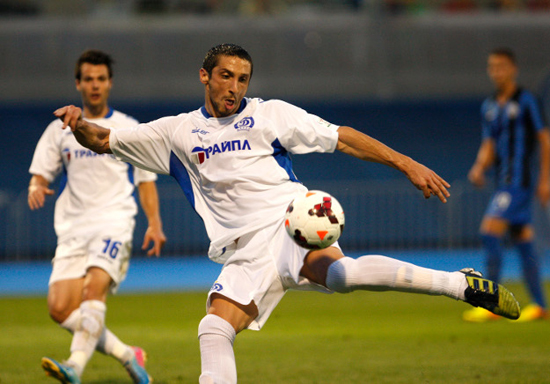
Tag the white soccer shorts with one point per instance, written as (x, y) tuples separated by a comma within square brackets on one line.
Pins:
[(264, 266), (108, 247)]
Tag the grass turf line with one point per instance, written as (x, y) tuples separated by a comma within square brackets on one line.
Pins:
[(310, 338)]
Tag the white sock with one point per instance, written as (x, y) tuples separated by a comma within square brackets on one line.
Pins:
[(108, 343), (216, 338), (381, 273), (72, 321), (86, 334)]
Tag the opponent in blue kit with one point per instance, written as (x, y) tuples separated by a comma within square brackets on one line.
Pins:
[(94, 224), (512, 125), (231, 158)]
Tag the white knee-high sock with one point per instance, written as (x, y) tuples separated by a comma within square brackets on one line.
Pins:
[(216, 338), (108, 343), (381, 273), (87, 333)]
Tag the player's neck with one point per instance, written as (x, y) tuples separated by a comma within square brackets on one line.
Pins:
[(96, 112), (506, 92)]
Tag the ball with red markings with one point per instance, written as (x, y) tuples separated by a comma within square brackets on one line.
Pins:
[(314, 220)]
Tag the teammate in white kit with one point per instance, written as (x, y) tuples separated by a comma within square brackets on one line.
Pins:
[(231, 158), (94, 223)]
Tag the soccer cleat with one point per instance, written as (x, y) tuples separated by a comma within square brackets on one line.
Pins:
[(490, 295), (136, 367), (479, 315), (61, 372), (532, 312)]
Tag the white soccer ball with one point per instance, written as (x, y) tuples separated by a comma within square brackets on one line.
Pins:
[(314, 220)]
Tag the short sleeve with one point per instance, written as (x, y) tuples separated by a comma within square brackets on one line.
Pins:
[(533, 111), (146, 146), (486, 132), (47, 160), (301, 132)]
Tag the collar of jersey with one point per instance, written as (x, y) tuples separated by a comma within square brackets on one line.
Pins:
[(109, 114), (241, 107)]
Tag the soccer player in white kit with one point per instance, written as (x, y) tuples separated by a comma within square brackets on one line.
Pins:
[(231, 158), (94, 223)]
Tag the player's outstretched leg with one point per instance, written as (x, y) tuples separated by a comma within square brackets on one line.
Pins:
[(62, 372), (136, 367), (381, 273), (487, 294)]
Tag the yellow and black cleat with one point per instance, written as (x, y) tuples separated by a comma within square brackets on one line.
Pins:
[(490, 295)]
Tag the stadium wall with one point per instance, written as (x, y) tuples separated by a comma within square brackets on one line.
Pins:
[(413, 82)]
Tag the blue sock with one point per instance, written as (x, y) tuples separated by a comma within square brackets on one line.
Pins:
[(531, 271), (493, 249)]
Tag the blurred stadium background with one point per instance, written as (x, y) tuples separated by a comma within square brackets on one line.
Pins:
[(408, 72)]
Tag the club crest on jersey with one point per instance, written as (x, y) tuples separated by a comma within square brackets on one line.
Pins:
[(199, 155), (512, 110), (245, 124)]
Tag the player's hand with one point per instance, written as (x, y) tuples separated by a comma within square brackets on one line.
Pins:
[(70, 116), (477, 176), (155, 236), (426, 180), (37, 196), (543, 192)]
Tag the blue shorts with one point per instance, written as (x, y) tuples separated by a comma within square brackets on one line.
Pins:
[(512, 205)]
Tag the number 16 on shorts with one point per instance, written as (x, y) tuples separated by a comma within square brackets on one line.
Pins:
[(111, 247)]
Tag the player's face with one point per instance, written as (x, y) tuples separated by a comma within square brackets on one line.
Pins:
[(501, 70), (227, 86), (94, 86)]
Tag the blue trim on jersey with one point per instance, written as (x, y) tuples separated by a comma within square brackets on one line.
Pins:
[(131, 179), (241, 108), (179, 172), (130, 173), (63, 181), (110, 113), (282, 157)]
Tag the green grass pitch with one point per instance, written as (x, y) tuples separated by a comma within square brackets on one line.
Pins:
[(311, 338)]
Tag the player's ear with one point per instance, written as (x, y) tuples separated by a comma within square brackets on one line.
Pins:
[(77, 84), (204, 76)]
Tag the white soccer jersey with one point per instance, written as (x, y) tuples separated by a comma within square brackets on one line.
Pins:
[(94, 188), (235, 171)]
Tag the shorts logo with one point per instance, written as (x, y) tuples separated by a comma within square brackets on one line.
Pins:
[(216, 287), (502, 201), (245, 124)]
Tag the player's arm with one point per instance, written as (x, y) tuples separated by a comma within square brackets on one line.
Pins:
[(543, 188), (88, 134), (484, 160), (364, 147), (148, 197), (38, 190)]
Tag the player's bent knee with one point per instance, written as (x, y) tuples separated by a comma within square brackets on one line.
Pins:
[(59, 312), (215, 325), (340, 275)]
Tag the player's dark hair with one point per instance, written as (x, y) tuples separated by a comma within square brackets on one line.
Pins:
[(211, 58), (95, 57), (504, 51)]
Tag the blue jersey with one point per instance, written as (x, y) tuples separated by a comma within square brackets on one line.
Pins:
[(513, 126)]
